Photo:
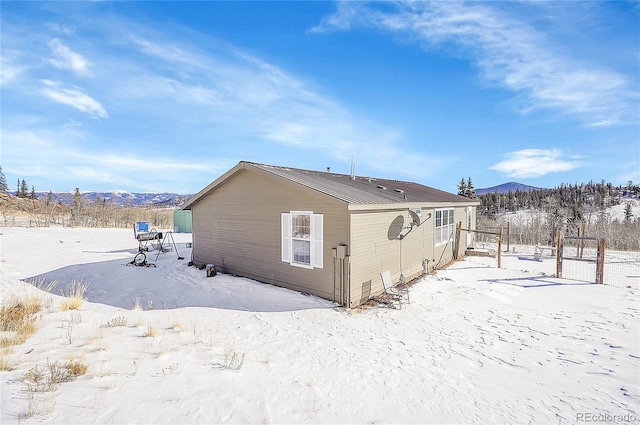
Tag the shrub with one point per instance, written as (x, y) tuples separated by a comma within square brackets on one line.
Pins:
[(116, 322)]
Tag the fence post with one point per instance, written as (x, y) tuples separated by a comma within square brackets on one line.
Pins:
[(600, 261), (559, 255), (500, 248), (456, 245)]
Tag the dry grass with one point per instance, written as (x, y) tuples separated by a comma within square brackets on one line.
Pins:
[(41, 380), (76, 367), (151, 332), (119, 321), (76, 294), (6, 363), (18, 322)]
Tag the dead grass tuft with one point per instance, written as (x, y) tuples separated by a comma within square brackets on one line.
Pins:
[(76, 294), (18, 322), (6, 363)]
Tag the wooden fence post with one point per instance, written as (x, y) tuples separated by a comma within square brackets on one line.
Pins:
[(559, 255), (600, 261), (456, 245), (508, 236), (500, 249)]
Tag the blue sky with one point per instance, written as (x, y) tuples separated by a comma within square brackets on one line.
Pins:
[(167, 96)]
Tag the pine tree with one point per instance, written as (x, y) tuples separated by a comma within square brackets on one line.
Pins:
[(462, 187), (628, 212), (76, 207), (4, 188), (23, 190), (470, 191), (33, 193)]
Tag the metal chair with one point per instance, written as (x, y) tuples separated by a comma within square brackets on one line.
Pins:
[(395, 291)]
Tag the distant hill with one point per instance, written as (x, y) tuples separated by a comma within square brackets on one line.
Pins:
[(505, 188), (121, 197)]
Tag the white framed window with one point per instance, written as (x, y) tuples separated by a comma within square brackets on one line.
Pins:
[(444, 226), (302, 239)]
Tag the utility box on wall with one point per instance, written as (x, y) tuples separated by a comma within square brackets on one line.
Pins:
[(182, 221)]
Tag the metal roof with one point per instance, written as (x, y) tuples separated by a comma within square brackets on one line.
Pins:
[(355, 191), (362, 190)]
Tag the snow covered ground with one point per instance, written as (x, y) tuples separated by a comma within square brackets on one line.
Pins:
[(476, 344)]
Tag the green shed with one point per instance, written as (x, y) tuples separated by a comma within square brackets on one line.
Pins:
[(182, 221)]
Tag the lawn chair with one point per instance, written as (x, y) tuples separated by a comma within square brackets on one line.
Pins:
[(395, 292)]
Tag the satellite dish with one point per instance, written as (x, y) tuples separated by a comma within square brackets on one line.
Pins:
[(414, 218), (395, 228)]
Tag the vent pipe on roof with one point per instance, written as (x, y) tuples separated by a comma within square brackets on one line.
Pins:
[(353, 169)]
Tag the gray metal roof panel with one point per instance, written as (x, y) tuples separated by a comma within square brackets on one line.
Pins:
[(362, 190)]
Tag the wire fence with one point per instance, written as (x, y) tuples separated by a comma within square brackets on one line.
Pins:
[(579, 262), (622, 269)]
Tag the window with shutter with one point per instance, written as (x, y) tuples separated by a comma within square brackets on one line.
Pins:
[(302, 239)]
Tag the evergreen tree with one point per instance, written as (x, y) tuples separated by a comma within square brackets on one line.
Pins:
[(470, 190), (628, 213), (33, 193), (23, 191), (462, 187), (76, 207), (4, 188)]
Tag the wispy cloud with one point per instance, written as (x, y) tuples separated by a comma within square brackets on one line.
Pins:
[(73, 96), (508, 51), (65, 58), (62, 156), (259, 98), (529, 163)]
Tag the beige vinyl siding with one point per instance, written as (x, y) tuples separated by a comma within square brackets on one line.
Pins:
[(372, 252), (237, 227)]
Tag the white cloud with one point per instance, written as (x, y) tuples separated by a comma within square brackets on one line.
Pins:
[(509, 52), (10, 68), (73, 96), (528, 163), (65, 58), (238, 90)]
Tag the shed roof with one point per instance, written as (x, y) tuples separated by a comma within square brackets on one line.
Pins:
[(352, 190)]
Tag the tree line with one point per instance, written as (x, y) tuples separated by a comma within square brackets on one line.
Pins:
[(578, 209), (26, 208)]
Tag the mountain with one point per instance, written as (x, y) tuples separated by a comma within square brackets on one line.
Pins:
[(121, 197), (505, 188)]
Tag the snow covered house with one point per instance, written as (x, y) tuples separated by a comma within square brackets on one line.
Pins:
[(323, 233)]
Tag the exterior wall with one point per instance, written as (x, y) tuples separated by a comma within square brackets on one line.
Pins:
[(373, 252), (237, 227)]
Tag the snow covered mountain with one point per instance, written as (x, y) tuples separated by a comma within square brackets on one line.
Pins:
[(505, 188), (121, 197)]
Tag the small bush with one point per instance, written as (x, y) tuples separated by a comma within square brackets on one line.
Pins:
[(116, 322), (47, 379), (76, 368), (233, 361)]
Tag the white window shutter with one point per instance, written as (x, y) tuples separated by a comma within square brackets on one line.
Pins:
[(286, 237), (317, 253)]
